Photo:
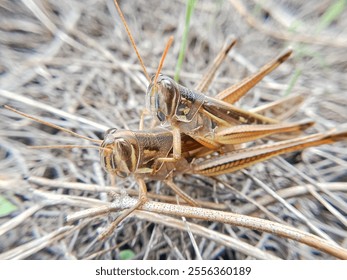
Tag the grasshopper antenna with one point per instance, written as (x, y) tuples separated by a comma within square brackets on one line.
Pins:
[(52, 125), (131, 40), (69, 147), (160, 66)]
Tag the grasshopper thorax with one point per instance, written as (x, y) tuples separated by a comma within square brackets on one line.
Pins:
[(120, 154), (162, 98)]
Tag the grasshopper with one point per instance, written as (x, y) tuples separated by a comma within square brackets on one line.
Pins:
[(204, 118), (137, 153), (129, 152)]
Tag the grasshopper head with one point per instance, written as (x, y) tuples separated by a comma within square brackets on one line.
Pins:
[(120, 155), (162, 98)]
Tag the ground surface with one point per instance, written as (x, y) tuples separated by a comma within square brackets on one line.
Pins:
[(70, 63)]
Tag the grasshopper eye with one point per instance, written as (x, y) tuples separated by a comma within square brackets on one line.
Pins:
[(124, 149), (161, 116), (125, 157), (110, 131), (108, 161), (167, 83)]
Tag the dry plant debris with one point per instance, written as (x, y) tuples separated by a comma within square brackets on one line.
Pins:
[(70, 63)]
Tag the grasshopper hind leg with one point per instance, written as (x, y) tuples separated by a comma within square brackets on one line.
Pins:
[(208, 77)]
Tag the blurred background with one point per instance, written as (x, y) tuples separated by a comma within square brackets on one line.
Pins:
[(71, 63)]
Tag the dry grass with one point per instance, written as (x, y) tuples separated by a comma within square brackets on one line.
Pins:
[(70, 63)]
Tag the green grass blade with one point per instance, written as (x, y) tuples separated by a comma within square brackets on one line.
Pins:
[(293, 81), (6, 207), (189, 12), (331, 14)]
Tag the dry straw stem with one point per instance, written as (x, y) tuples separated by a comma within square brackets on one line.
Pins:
[(222, 239), (219, 216), (36, 104), (52, 199), (28, 249), (283, 34), (295, 191), (248, 209), (162, 208), (98, 189)]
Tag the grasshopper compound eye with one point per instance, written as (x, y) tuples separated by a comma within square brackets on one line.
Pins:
[(162, 98), (118, 156), (107, 158), (110, 131)]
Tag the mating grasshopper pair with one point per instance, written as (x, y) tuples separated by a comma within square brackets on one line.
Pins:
[(198, 126)]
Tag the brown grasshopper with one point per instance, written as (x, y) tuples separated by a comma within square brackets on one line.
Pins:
[(129, 152), (205, 118), (137, 153)]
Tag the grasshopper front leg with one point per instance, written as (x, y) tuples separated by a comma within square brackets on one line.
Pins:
[(177, 147)]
